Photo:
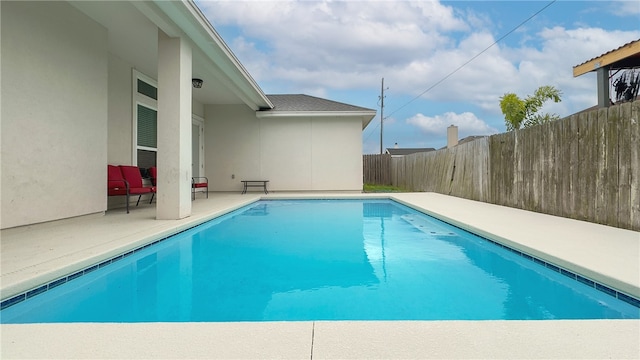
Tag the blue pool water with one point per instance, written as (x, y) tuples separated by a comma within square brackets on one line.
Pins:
[(320, 260)]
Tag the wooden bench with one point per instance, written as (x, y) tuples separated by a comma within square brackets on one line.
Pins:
[(254, 183)]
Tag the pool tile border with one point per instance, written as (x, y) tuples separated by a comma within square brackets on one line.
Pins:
[(48, 286), (55, 283), (586, 281)]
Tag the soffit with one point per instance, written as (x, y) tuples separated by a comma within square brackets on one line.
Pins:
[(133, 32), (213, 56)]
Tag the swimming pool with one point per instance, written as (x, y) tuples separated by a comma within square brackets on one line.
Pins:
[(320, 260)]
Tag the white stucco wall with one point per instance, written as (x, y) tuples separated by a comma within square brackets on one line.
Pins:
[(232, 146), (293, 153), (197, 108), (54, 113), (120, 123), (337, 154), (120, 141)]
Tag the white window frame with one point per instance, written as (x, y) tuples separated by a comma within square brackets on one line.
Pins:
[(197, 120), (140, 100)]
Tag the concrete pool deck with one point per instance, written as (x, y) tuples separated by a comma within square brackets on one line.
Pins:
[(33, 255)]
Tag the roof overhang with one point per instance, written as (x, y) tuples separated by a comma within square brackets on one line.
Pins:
[(624, 57), (365, 116), (213, 61)]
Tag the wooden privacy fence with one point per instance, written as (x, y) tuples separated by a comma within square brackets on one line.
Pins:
[(585, 167), (377, 169), (461, 171)]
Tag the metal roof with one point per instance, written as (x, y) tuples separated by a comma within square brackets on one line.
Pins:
[(626, 56)]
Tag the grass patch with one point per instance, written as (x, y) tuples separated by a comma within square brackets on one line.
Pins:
[(370, 188)]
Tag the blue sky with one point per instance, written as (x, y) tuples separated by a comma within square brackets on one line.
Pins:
[(340, 50)]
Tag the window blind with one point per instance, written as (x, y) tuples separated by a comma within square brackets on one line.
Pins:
[(147, 127)]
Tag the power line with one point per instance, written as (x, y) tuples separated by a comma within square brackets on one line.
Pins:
[(468, 61)]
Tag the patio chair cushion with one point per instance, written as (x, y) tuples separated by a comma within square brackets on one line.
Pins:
[(132, 175), (115, 181)]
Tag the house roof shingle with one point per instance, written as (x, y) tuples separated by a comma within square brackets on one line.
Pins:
[(407, 151), (301, 102)]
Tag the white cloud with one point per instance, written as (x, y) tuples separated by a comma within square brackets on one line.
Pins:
[(335, 43), (467, 123), (624, 8), (318, 46)]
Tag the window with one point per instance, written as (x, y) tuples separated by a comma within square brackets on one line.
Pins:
[(147, 146), (145, 121), (147, 89)]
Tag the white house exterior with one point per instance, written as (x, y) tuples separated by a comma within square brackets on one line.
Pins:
[(81, 81), (303, 143)]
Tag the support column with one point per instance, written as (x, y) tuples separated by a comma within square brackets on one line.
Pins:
[(603, 87), (174, 128)]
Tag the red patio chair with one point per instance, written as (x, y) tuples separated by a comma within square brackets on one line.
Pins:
[(126, 180), (199, 182), (153, 175), (116, 185)]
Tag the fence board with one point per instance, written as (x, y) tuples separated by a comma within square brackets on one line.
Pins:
[(624, 171), (554, 157), (633, 114), (585, 146), (611, 196), (573, 176), (598, 166), (509, 167)]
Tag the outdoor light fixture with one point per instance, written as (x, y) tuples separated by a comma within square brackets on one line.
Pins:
[(197, 83)]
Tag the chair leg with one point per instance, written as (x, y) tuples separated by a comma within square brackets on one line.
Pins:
[(127, 203), (138, 202), (207, 191), (152, 195)]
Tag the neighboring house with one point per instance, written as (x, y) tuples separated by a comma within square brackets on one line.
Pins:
[(398, 152), (624, 57), (91, 83), (465, 140)]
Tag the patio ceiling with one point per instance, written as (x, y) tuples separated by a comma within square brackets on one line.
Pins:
[(132, 34)]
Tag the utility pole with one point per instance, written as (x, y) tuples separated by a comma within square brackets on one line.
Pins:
[(381, 112)]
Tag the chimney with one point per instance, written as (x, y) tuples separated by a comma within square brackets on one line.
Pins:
[(452, 136), (395, 146)]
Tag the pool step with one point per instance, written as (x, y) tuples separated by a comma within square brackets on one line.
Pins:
[(428, 225)]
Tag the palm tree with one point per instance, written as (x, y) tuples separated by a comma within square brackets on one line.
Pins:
[(518, 112)]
